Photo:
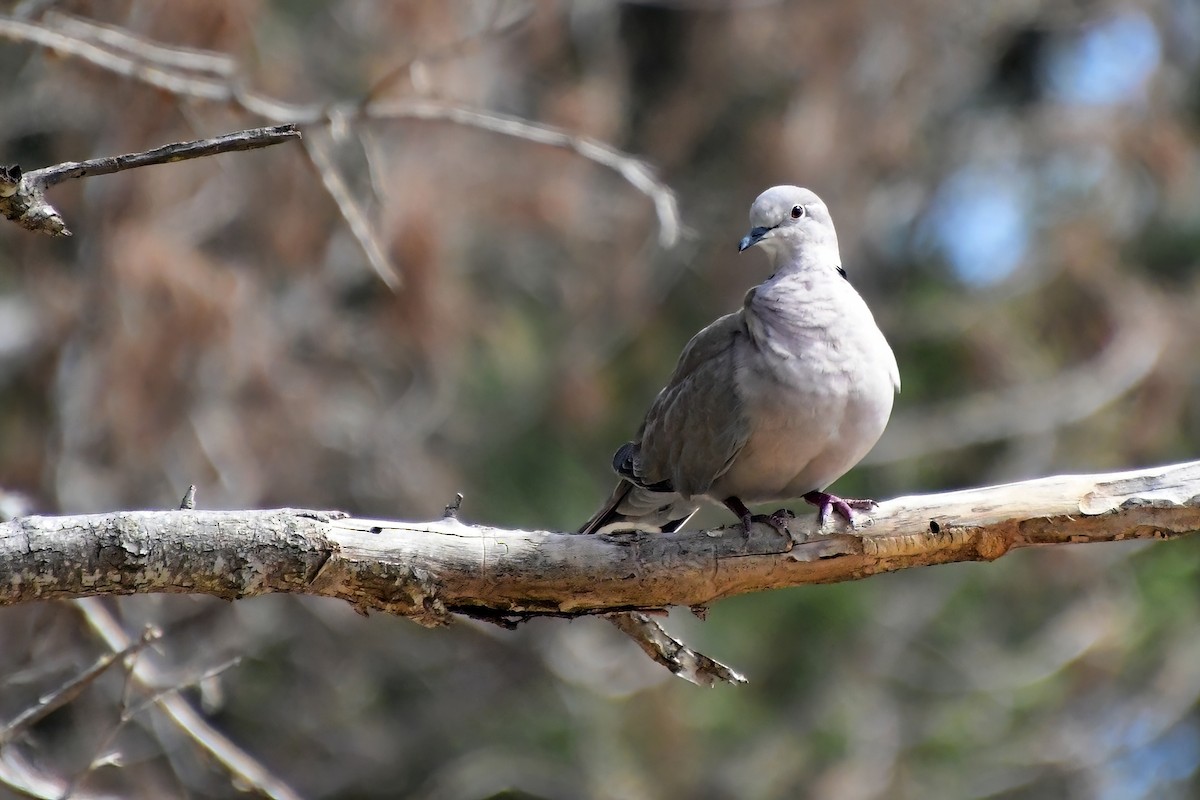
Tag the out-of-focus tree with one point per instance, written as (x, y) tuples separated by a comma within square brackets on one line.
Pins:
[(1016, 191)]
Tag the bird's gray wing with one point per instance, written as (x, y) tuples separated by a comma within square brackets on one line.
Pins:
[(691, 434), (697, 424)]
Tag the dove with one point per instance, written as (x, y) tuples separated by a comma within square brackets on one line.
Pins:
[(773, 402)]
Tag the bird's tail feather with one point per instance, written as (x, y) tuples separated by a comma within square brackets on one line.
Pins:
[(631, 507)]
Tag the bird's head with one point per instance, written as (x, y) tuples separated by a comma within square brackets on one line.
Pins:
[(787, 222)]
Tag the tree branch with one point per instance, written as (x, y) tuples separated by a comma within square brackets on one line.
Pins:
[(211, 76), (48, 704), (241, 765), (429, 571), (22, 195)]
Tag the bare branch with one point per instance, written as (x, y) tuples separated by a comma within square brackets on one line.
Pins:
[(131, 67), (140, 60), (252, 139), (189, 59), (50, 703), (635, 171), (352, 212), (22, 195), (673, 654), (240, 764), (429, 571), (128, 712), (102, 752)]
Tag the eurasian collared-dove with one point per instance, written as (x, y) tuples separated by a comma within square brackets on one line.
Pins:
[(774, 401)]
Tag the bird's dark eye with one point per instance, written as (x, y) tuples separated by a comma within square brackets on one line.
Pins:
[(798, 212)]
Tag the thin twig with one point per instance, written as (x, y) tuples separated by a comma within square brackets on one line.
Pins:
[(129, 712), (189, 59), (673, 654), (200, 86), (352, 211), (101, 752), (47, 704), (251, 139), (22, 195), (136, 68), (636, 172), (240, 764)]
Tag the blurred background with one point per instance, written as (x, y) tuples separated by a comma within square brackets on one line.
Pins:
[(1017, 191)]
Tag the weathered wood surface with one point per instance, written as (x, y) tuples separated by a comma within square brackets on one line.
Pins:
[(428, 570)]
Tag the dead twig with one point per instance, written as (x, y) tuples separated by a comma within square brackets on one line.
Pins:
[(241, 765), (352, 212), (673, 654), (22, 195), (49, 703), (143, 61)]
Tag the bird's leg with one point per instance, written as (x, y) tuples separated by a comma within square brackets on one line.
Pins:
[(844, 506), (778, 520), (741, 512)]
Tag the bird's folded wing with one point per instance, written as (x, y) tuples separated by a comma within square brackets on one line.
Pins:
[(697, 424)]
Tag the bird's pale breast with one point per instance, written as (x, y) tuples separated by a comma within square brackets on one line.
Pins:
[(818, 409)]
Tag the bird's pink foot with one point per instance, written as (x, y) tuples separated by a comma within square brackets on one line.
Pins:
[(843, 506)]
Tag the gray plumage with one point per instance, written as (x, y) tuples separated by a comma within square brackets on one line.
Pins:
[(772, 402)]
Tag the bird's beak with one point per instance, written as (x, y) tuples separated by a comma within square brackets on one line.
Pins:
[(753, 237)]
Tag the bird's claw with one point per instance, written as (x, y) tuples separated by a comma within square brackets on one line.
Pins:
[(777, 520)]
